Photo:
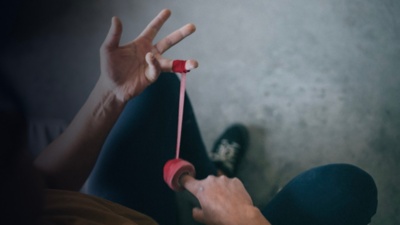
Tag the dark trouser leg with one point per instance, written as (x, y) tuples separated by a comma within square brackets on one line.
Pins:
[(129, 170), (332, 194)]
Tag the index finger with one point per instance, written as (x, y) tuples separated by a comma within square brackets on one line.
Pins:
[(175, 37), (155, 25), (191, 184)]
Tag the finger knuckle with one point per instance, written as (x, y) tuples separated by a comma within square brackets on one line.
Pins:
[(211, 178), (224, 178), (235, 179)]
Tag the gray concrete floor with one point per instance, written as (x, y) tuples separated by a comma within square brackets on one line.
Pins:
[(315, 81)]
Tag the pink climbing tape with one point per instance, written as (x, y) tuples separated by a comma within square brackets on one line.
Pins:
[(179, 66), (180, 113), (174, 169)]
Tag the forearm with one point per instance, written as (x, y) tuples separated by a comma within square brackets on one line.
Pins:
[(67, 162)]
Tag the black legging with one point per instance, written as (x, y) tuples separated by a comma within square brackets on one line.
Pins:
[(129, 168)]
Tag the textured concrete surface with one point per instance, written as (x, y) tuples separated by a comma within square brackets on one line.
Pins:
[(316, 81)]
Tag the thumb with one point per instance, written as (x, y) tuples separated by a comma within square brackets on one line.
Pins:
[(198, 214), (153, 67), (114, 34)]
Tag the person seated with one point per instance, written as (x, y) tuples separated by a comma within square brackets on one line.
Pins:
[(120, 139)]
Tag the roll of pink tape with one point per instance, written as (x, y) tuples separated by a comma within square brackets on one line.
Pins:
[(174, 169)]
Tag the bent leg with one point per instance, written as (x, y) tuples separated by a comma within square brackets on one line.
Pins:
[(332, 194), (129, 170)]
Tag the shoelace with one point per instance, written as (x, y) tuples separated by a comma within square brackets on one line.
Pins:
[(226, 154)]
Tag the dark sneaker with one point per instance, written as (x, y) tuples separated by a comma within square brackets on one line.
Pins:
[(229, 149)]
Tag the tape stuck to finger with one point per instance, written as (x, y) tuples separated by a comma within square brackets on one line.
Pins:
[(179, 66)]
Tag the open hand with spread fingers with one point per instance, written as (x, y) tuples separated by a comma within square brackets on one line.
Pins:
[(128, 69)]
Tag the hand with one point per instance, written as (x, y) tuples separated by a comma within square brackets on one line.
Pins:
[(223, 201), (127, 70)]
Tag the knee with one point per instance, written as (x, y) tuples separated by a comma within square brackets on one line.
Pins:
[(166, 86), (166, 80), (330, 194), (346, 189), (348, 177)]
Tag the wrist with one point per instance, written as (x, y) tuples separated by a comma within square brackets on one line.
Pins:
[(104, 101), (254, 216), (105, 88)]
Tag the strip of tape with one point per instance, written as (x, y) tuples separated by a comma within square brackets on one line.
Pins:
[(178, 66)]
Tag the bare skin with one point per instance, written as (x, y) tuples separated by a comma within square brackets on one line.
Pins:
[(223, 201), (126, 70)]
